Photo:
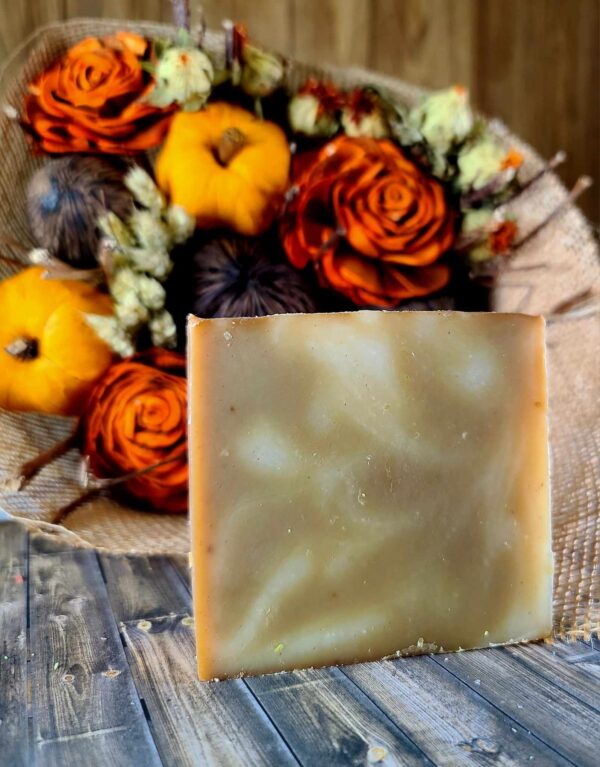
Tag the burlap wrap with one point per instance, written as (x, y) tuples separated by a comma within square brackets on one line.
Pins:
[(569, 263)]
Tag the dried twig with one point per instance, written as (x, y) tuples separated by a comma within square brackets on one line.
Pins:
[(181, 13), (580, 186), (88, 480), (28, 470)]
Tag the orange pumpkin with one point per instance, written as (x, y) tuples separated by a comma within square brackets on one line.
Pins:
[(49, 356), (226, 167)]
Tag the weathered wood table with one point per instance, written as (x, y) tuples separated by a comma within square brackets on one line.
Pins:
[(97, 668)]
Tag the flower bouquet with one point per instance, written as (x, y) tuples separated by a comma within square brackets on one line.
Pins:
[(150, 172)]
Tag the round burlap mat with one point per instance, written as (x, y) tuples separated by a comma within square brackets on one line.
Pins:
[(560, 263)]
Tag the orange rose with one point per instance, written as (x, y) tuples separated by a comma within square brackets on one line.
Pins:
[(373, 223), (135, 418), (94, 100)]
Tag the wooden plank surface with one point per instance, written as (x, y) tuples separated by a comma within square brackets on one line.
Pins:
[(448, 720), (536, 703), (106, 645), (14, 731), (535, 64), (85, 709), (328, 720), (193, 723)]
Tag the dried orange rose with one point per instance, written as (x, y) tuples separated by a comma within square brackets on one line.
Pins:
[(94, 100), (136, 418), (372, 222)]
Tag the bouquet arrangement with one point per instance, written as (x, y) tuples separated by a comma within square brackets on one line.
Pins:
[(178, 181)]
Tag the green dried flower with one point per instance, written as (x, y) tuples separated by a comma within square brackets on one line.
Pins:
[(184, 75), (150, 231), (486, 163), (137, 261), (143, 188), (151, 293), (443, 119), (262, 71), (162, 330), (116, 230), (110, 330), (181, 224), (156, 263), (307, 116)]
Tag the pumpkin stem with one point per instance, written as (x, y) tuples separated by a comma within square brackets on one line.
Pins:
[(22, 348), (231, 142)]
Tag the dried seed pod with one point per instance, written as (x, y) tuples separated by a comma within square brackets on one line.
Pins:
[(239, 277), (65, 199)]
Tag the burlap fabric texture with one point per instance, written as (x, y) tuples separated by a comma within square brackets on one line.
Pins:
[(565, 257)]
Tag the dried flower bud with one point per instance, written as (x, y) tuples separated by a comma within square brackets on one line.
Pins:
[(486, 163), (363, 115), (183, 76), (163, 331), (143, 188), (443, 119), (491, 233), (315, 108), (110, 330), (131, 313), (262, 71), (118, 232), (181, 224), (151, 293), (124, 285), (156, 263), (149, 230)]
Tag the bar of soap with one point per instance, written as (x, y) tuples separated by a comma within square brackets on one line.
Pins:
[(366, 484)]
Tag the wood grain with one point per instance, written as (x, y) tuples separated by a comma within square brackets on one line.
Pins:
[(192, 722), (449, 721), (84, 704), (533, 701), (328, 720), (535, 64), (196, 723), (144, 587), (14, 732)]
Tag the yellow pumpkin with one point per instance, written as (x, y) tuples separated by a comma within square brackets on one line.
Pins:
[(226, 167), (49, 356)]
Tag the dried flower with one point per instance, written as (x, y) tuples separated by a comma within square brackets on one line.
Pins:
[(443, 118), (135, 423), (314, 110), (144, 189), (138, 261), (184, 75), (149, 230), (237, 277), (111, 331), (163, 330), (180, 223), (374, 225), (487, 164), (93, 99), (66, 197), (363, 115), (486, 234)]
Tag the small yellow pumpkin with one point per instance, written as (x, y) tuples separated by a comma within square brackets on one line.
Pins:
[(226, 167), (49, 356)]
